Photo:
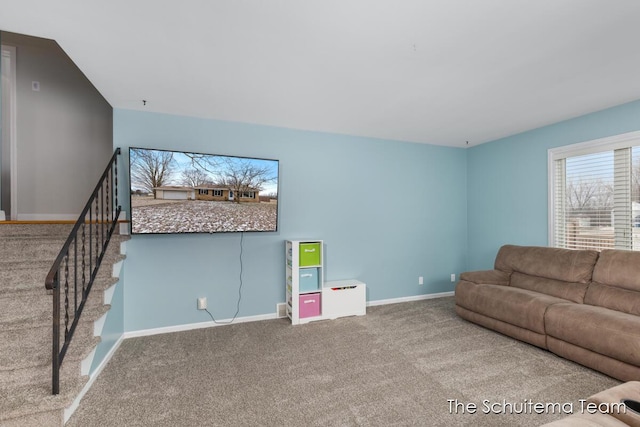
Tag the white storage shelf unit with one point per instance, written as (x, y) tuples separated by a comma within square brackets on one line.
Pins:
[(309, 298), (304, 275)]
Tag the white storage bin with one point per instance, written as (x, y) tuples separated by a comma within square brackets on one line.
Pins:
[(344, 298)]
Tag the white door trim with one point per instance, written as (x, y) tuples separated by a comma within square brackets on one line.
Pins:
[(10, 51)]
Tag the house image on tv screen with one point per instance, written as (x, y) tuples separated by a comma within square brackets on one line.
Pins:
[(221, 193), (212, 193)]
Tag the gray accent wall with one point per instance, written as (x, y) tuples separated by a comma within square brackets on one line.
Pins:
[(64, 131)]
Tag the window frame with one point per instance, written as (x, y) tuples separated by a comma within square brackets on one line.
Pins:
[(609, 143)]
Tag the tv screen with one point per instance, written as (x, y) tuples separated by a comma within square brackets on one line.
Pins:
[(183, 192)]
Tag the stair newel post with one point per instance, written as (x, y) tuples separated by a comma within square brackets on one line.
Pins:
[(55, 353)]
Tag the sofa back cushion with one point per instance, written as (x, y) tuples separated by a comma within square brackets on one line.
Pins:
[(565, 265), (616, 281), (571, 291)]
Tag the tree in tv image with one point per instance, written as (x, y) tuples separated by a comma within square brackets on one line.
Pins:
[(182, 192)]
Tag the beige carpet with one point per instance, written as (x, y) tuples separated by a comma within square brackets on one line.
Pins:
[(398, 365)]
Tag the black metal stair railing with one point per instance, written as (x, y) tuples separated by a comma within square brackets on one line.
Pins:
[(75, 269)]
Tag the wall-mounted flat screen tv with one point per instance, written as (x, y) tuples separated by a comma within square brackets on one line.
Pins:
[(183, 192)]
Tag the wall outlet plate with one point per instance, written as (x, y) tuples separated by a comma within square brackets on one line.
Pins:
[(453, 277), (202, 303)]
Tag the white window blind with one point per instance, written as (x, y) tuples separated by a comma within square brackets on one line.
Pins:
[(635, 197), (595, 195)]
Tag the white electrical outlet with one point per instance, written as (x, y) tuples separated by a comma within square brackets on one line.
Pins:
[(453, 277), (202, 303), (420, 280)]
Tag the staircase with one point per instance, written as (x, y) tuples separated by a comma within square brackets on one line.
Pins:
[(27, 252)]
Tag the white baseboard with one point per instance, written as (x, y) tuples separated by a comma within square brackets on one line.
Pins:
[(68, 412), (257, 318), (199, 325), (408, 299)]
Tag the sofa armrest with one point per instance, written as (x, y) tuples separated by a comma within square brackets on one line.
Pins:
[(489, 277)]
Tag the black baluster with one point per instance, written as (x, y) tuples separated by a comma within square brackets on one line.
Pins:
[(84, 264), (66, 296), (108, 205), (101, 201), (97, 254), (116, 177), (90, 242), (75, 275)]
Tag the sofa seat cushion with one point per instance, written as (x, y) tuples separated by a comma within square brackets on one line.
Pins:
[(519, 307), (607, 332)]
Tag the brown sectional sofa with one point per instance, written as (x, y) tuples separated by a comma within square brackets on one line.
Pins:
[(579, 304)]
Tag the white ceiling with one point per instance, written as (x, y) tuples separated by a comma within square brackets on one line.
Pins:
[(432, 71)]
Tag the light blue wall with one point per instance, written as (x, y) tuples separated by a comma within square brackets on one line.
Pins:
[(507, 180), (388, 212)]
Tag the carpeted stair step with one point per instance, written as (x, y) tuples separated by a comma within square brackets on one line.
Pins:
[(34, 230), (23, 348), (45, 248), (18, 406), (26, 310), (40, 368), (36, 367), (28, 303), (40, 230), (48, 248), (31, 275), (71, 367)]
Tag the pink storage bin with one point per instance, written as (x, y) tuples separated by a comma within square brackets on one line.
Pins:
[(309, 305)]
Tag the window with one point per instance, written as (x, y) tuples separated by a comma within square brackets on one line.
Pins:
[(217, 193), (203, 191), (248, 194), (594, 194)]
